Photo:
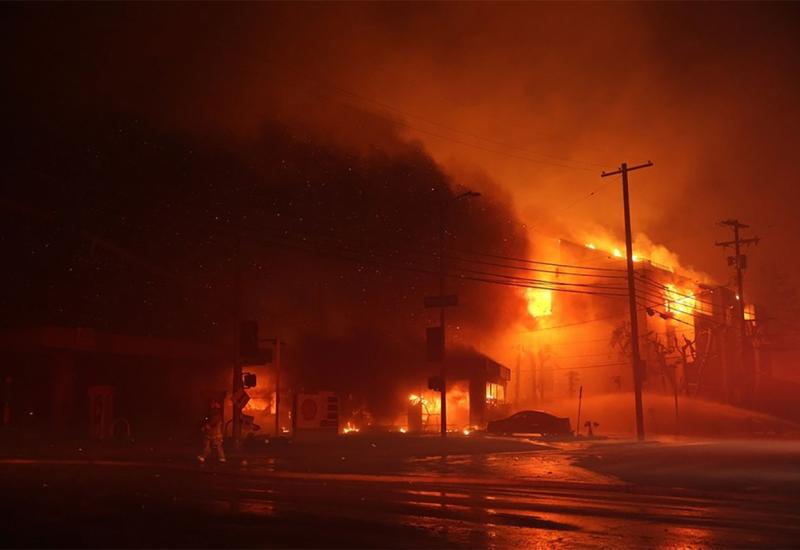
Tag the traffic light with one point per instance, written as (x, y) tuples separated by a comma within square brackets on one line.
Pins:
[(249, 380)]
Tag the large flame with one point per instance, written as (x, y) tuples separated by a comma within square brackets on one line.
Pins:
[(540, 302), (644, 250), (618, 253), (680, 301)]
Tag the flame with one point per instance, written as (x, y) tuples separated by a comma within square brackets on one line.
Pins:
[(350, 428), (679, 300), (428, 403), (258, 404), (644, 250), (540, 302)]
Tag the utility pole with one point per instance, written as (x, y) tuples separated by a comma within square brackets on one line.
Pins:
[(278, 386), (238, 384), (444, 302), (739, 261), (636, 359), (443, 369), (518, 375)]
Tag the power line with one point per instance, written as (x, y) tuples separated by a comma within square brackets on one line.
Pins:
[(673, 291), (659, 300), (431, 250), (596, 191), (674, 317), (537, 262), (567, 325), (497, 278), (603, 365), (538, 270), (413, 268), (416, 252)]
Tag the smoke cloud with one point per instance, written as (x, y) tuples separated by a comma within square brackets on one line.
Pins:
[(343, 125)]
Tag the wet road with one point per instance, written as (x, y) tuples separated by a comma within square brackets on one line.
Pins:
[(511, 500)]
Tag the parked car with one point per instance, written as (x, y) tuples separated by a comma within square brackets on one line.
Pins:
[(531, 422)]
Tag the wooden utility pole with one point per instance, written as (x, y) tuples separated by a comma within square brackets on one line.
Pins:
[(739, 261), (238, 384), (278, 386), (518, 375), (636, 359), (445, 301), (443, 365)]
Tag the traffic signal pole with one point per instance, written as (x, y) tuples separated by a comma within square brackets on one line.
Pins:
[(443, 369), (635, 355), (277, 386), (442, 274), (238, 384)]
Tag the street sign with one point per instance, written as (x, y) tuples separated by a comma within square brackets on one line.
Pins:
[(441, 301), (240, 399), (316, 411)]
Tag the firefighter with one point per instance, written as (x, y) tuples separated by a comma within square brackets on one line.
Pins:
[(212, 433)]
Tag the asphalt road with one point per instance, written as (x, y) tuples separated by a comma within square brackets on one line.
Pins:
[(502, 500)]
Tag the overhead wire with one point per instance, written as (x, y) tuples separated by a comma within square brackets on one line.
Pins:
[(538, 262), (451, 253), (567, 325), (355, 255), (651, 298), (538, 270)]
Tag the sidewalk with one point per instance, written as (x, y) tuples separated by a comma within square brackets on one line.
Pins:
[(748, 466)]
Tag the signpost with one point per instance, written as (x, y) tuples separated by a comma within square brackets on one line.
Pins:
[(240, 399), (435, 346)]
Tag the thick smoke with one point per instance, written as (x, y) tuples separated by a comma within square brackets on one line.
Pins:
[(250, 109), (337, 246), (540, 96)]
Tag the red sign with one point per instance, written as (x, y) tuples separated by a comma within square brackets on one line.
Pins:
[(309, 409)]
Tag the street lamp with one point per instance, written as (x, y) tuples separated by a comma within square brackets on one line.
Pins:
[(443, 305)]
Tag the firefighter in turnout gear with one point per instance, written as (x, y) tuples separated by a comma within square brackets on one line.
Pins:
[(212, 428)]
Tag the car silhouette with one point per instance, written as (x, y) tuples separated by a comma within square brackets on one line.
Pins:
[(531, 422)]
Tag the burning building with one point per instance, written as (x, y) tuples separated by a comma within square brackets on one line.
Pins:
[(689, 331), (476, 393)]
